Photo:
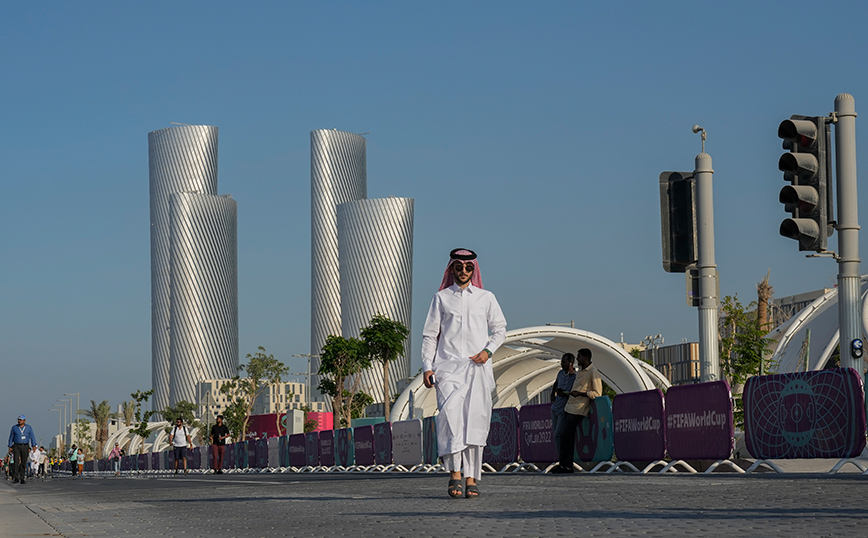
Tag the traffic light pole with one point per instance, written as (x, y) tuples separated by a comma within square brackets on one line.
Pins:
[(849, 289), (709, 364)]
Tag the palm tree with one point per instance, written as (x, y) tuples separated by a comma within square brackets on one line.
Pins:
[(101, 413), (128, 410), (384, 341)]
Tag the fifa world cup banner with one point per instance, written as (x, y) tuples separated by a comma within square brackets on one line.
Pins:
[(383, 443), (639, 426), (142, 463), (537, 439), (594, 437), (311, 449), (327, 448), (344, 448), (197, 458), (296, 446), (363, 443), (805, 415), (242, 454), (283, 450), (699, 422), (407, 442), (430, 450), (502, 443)]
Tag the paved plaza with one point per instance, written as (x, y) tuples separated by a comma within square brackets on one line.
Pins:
[(416, 505)]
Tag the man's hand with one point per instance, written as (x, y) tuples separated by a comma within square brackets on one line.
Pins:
[(481, 357), (427, 377)]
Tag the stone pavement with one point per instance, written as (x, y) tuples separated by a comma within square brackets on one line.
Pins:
[(579, 505)]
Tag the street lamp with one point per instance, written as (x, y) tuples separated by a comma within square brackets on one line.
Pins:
[(77, 409), (309, 357), (66, 417), (59, 431)]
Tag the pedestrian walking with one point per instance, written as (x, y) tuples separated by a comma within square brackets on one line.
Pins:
[(560, 395), (180, 438), (71, 457), (464, 328), (21, 438), (219, 434), (115, 457)]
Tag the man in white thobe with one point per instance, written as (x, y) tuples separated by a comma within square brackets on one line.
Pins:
[(464, 328)]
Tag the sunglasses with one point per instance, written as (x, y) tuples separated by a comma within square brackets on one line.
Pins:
[(468, 268)]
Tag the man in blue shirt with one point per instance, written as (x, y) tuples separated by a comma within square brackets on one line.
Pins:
[(560, 395), (21, 438)]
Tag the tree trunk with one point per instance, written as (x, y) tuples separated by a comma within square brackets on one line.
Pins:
[(386, 398)]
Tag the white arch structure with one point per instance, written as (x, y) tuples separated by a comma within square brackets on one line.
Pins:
[(527, 364), (160, 443), (808, 339)]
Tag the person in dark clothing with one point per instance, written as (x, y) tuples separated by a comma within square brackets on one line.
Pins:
[(219, 434)]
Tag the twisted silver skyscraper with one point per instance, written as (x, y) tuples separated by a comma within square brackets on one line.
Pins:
[(204, 292), (375, 240), (338, 174), (184, 160)]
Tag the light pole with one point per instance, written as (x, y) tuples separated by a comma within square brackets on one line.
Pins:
[(59, 431), (77, 409), (309, 357), (65, 417)]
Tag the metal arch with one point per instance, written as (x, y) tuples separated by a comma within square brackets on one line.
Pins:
[(125, 434)]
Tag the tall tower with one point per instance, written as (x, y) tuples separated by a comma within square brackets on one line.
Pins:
[(338, 174), (180, 159), (375, 240), (203, 274)]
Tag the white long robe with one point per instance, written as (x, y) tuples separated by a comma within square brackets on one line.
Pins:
[(460, 324)]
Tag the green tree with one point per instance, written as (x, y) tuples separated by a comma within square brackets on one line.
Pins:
[(101, 413), (141, 418), (262, 371), (85, 440), (340, 360), (743, 348), (384, 341)]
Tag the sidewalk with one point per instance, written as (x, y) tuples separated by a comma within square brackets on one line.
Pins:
[(16, 519)]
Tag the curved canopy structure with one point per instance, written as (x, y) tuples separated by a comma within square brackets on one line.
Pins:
[(160, 443), (527, 364), (808, 339)]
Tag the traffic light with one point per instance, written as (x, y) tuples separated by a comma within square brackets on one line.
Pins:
[(678, 220), (807, 167)]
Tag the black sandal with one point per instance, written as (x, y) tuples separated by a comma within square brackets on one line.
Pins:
[(472, 489), (455, 488)]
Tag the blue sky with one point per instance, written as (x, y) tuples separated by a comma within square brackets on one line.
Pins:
[(533, 133)]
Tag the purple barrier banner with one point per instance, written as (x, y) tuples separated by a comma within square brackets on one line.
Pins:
[(639, 426), (261, 454), (344, 450), (126, 463), (210, 458), (383, 443), (805, 415), (327, 448), (229, 456), (311, 449), (699, 422), (502, 444), (537, 440), (196, 458), (283, 450), (363, 442), (295, 448), (241, 455), (430, 450)]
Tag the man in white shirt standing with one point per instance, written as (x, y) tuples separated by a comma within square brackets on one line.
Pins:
[(464, 328), (180, 438)]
